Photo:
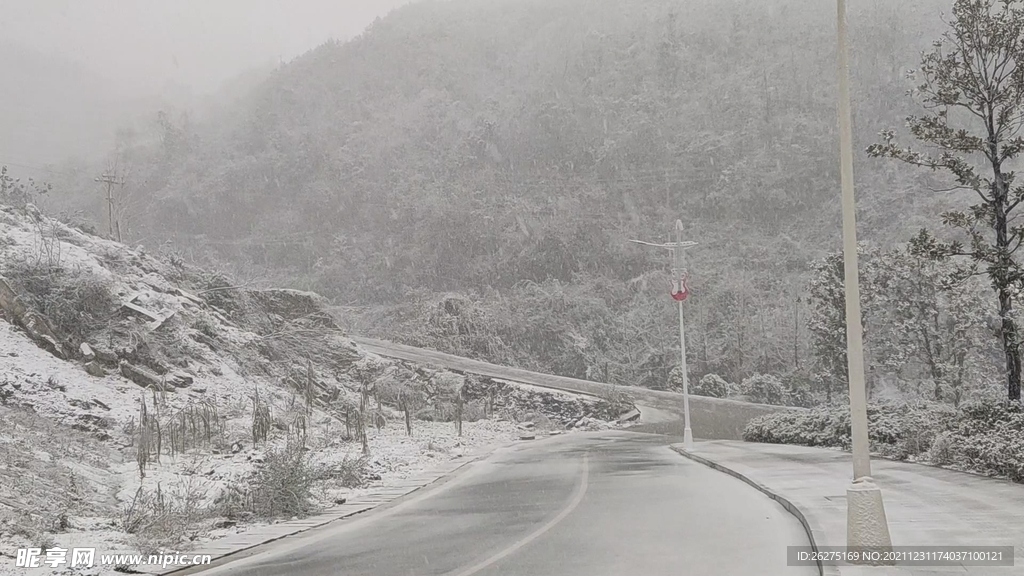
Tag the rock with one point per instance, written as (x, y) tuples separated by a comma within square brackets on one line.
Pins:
[(179, 380), (104, 355), (236, 447), (93, 368), (340, 500), (225, 524), (87, 353), (37, 326), (294, 305), (631, 416), (143, 377), (527, 425)]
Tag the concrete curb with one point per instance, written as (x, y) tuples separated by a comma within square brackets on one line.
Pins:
[(814, 532), (365, 503)]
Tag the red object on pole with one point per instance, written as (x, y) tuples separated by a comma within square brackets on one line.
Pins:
[(679, 294)]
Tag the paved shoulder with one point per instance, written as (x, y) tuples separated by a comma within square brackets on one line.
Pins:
[(924, 505)]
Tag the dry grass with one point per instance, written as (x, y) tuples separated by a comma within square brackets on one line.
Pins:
[(283, 485), (194, 426), (262, 419), (162, 519), (77, 303)]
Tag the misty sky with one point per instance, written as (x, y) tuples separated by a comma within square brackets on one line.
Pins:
[(143, 45)]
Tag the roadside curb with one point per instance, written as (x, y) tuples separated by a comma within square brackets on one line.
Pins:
[(814, 532), (219, 549)]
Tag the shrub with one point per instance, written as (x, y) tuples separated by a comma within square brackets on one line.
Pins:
[(282, 486), (161, 518), (617, 401), (714, 386), (474, 411), (77, 303), (763, 389), (828, 427), (797, 395), (985, 438), (894, 430), (349, 473)]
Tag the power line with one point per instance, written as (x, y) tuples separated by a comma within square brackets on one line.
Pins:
[(40, 168)]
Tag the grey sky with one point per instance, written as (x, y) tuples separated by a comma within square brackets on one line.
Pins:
[(142, 45)]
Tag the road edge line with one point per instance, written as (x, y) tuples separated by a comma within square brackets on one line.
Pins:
[(810, 527)]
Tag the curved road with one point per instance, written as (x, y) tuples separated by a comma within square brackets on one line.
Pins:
[(584, 504)]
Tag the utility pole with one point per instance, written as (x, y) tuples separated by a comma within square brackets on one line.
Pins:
[(679, 271), (110, 180), (866, 524)]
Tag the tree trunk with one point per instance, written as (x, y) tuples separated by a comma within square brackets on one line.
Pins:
[(458, 411), (362, 422), (408, 418), (1008, 328), (1008, 331), (796, 334)]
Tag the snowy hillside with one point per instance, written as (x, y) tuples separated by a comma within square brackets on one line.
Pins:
[(148, 404)]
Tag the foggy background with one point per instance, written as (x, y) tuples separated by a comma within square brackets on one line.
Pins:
[(491, 159), (74, 70)]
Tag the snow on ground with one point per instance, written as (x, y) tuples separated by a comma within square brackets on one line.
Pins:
[(68, 440)]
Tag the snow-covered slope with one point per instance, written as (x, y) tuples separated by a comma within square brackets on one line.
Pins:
[(205, 349)]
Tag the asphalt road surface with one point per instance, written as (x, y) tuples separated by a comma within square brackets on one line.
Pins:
[(584, 504)]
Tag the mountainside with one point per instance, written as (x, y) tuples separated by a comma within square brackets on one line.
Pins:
[(507, 150), (148, 403)]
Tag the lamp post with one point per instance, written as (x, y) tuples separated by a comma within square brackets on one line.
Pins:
[(865, 521), (679, 270)]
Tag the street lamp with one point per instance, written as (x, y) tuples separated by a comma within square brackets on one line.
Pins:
[(865, 513), (679, 270)]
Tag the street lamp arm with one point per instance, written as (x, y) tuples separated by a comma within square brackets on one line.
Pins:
[(669, 245), (651, 244)]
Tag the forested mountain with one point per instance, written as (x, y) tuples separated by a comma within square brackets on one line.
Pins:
[(502, 152)]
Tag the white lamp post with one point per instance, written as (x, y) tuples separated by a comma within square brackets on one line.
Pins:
[(866, 524), (679, 270)]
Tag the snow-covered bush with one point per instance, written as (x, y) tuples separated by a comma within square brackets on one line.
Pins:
[(828, 427), (77, 302), (714, 386), (894, 430), (987, 438), (764, 389)]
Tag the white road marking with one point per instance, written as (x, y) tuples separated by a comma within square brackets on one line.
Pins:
[(580, 492)]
